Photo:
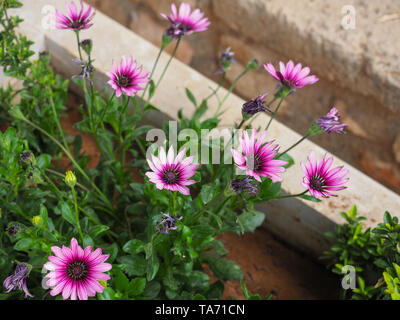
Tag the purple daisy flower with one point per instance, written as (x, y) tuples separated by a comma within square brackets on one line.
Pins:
[(170, 172), (127, 78), (185, 22), (320, 179), (18, 280), (75, 20), (258, 159), (291, 76), (331, 122)]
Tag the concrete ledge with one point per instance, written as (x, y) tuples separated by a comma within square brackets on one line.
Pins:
[(299, 222), (364, 58)]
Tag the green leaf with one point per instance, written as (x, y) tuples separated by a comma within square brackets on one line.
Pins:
[(107, 294), (191, 97), (133, 247), (153, 264), (198, 281), (121, 282), (43, 161), (136, 286), (225, 269), (152, 289), (288, 158), (251, 220), (67, 213), (387, 219), (97, 230), (309, 198), (24, 244), (207, 193), (134, 265)]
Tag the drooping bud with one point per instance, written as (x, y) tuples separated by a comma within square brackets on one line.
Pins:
[(331, 122), (168, 223), (18, 280), (244, 185), (254, 106)]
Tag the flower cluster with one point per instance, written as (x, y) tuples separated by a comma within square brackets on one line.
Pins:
[(176, 209)]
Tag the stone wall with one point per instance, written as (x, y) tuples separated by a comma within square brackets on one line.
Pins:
[(359, 68)]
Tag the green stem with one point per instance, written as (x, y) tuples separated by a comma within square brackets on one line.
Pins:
[(77, 213), (164, 71), (79, 47), (56, 119), (290, 195), (152, 71), (275, 113), (103, 113), (78, 167), (232, 87), (198, 215), (296, 144), (220, 84), (120, 137)]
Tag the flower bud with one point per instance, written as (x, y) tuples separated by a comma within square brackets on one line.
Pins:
[(70, 179), (252, 65), (87, 46), (37, 221), (14, 229)]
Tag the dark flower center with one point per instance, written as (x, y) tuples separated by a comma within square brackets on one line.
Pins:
[(77, 270), (170, 177), (317, 183), (178, 29), (76, 24), (254, 162), (123, 81)]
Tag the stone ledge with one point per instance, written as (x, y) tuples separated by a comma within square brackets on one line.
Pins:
[(299, 222)]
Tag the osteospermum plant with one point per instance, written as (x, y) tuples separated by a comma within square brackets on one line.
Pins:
[(143, 223)]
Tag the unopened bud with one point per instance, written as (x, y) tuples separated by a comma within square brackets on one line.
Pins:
[(37, 221), (70, 179)]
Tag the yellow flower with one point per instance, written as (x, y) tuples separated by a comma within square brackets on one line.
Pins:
[(103, 283), (70, 179)]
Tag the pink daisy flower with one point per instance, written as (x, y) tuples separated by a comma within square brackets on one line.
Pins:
[(75, 20), (170, 172), (127, 78), (291, 76), (320, 180), (258, 159), (185, 22), (76, 272)]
